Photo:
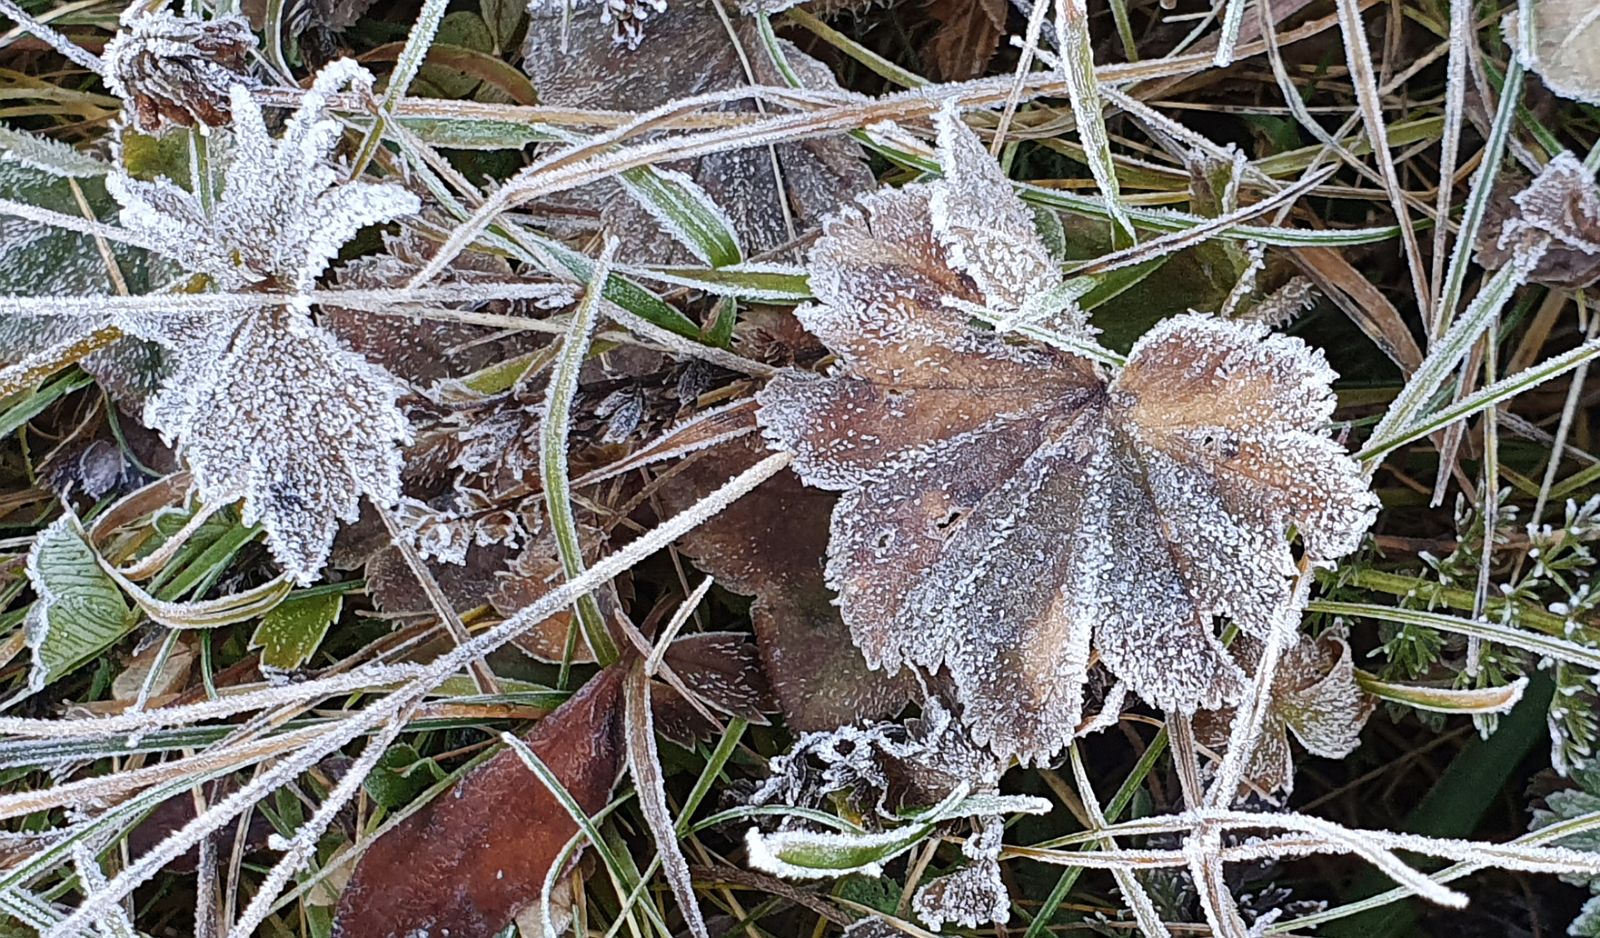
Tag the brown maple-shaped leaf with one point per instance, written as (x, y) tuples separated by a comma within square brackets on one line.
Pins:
[(474, 856), (1006, 505), (1314, 695)]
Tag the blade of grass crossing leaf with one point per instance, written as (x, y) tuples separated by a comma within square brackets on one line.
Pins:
[(1451, 349), (1077, 69), (648, 779), (405, 69), (553, 454), (597, 840), (1113, 810), (30, 406), (1484, 629), (687, 212)]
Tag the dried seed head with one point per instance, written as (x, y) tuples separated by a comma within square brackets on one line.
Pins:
[(174, 69)]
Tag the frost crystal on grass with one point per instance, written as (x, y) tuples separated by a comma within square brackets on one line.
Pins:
[(174, 69), (1005, 505), (625, 17), (267, 407)]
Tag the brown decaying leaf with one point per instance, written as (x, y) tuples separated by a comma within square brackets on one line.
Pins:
[(770, 544), (968, 36), (1003, 503), (690, 52), (467, 862), (1561, 206), (175, 69), (1314, 695)]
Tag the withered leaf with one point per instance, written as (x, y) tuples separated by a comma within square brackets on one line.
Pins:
[(1314, 695), (466, 863), (1558, 211), (770, 544), (1005, 504), (690, 52), (1559, 45), (968, 35), (173, 69)]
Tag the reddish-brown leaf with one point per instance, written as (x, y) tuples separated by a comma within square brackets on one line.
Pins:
[(968, 36), (472, 858), (770, 544)]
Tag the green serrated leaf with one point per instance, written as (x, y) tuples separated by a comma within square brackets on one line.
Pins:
[(289, 635), (80, 611)]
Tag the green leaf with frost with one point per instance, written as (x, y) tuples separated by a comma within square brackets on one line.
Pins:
[(80, 611), (289, 635)]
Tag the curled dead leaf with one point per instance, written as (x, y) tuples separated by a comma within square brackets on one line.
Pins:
[(1558, 211), (1315, 696)]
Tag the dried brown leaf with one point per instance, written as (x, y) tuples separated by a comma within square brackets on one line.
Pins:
[(969, 34), (1560, 208), (1314, 695), (1003, 503), (770, 544), (466, 863), (1560, 46)]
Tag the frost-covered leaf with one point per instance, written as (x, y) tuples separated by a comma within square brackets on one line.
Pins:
[(975, 895), (79, 612), (289, 422), (173, 69), (1559, 211), (41, 260), (266, 406), (1559, 44), (1005, 504), (1315, 695), (283, 213), (759, 190), (475, 855), (48, 156)]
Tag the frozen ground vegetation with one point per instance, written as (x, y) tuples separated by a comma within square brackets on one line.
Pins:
[(486, 468)]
